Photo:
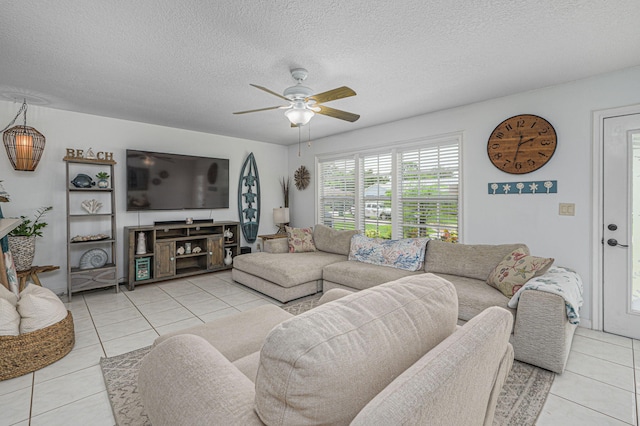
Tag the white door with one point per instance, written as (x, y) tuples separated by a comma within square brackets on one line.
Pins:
[(621, 214)]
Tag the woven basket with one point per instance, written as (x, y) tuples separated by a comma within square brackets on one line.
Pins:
[(32, 351), (23, 249)]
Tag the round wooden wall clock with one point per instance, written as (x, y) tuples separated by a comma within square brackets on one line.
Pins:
[(302, 178), (522, 144)]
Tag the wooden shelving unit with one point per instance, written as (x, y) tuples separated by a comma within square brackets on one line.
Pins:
[(82, 223), (163, 259)]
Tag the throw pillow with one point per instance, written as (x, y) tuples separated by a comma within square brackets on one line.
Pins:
[(516, 269), (300, 239), (9, 318), (8, 295), (407, 254), (332, 240), (39, 307)]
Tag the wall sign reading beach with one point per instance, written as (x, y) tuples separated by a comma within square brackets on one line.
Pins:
[(534, 187)]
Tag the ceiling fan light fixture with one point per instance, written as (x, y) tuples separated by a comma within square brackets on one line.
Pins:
[(299, 116)]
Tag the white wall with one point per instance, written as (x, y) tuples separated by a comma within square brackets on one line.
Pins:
[(532, 219), (63, 129)]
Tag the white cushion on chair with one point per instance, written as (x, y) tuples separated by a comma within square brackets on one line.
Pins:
[(9, 318), (39, 307)]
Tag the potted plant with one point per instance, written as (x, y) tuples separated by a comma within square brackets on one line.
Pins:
[(22, 240), (102, 179)]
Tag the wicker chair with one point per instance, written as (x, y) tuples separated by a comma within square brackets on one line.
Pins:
[(32, 351)]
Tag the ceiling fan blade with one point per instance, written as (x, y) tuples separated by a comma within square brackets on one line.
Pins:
[(261, 109), (332, 95), (336, 113), (269, 91)]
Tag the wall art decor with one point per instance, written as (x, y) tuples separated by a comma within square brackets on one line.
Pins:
[(534, 187), (249, 199), (302, 178)]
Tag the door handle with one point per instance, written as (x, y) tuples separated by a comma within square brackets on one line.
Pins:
[(614, 243), (612, 227)]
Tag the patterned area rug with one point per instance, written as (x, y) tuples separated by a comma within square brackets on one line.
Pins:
[(519, 403)]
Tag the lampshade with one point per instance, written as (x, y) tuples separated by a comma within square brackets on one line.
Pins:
[(281, 215), (24, 147), (299, 116), (24, 144)]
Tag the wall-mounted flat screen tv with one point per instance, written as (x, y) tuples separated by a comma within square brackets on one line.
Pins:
[(159, 181)]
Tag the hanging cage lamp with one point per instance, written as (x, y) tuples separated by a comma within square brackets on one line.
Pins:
[(24, 144)]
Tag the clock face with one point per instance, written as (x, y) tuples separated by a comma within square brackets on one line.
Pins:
[(522, 144)]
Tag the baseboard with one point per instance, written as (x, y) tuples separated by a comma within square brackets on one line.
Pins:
[(585, 323)]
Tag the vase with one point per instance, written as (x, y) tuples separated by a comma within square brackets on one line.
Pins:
[(23, 249), (228, 260), (141, 248), (103, 183)]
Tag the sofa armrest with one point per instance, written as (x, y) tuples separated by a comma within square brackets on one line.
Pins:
[(333, 294), (542, 333), (276, 245), (186, 381)]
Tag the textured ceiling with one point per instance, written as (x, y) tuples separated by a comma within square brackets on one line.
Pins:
[(188, 63)]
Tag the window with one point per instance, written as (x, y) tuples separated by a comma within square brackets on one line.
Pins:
[(377, 186), (400, 192), (337, 193), (428, 180)]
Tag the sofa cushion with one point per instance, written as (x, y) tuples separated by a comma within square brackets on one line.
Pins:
[(474, 296), (39, 307), (466, 260), (516, 269), (300, 240), (333, 240), (457, 383), (325, 365), (361, 275), (286, 269), (407, 253), (237, 335)]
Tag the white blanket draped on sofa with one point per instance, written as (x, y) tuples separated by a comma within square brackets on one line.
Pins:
[(559, 280)]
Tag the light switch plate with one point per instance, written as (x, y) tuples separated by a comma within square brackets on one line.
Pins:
[(567, 209)]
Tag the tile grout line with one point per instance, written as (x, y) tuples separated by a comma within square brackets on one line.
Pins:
[(608, 342), (588, 408), (600, 381), (177, 301), (68, 403), (602, 359), (33, 389)]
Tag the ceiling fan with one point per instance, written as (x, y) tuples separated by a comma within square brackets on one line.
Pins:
[(303, 104)]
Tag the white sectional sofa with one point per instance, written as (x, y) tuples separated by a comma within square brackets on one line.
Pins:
[(541, 335)]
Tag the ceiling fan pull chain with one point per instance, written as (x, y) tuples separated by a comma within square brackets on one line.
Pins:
[(299, 137), (309, 140)]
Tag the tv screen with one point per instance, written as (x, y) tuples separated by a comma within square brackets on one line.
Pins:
[(158, 181)]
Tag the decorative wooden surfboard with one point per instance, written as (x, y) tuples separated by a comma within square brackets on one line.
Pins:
[(249, 199)]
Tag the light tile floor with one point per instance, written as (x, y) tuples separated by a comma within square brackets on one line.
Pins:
[(601, 384)]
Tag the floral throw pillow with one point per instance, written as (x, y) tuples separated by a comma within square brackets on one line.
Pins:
[(300, 239), (516, 269)]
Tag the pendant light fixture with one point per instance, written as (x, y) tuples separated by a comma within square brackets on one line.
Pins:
[(24, 144)]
